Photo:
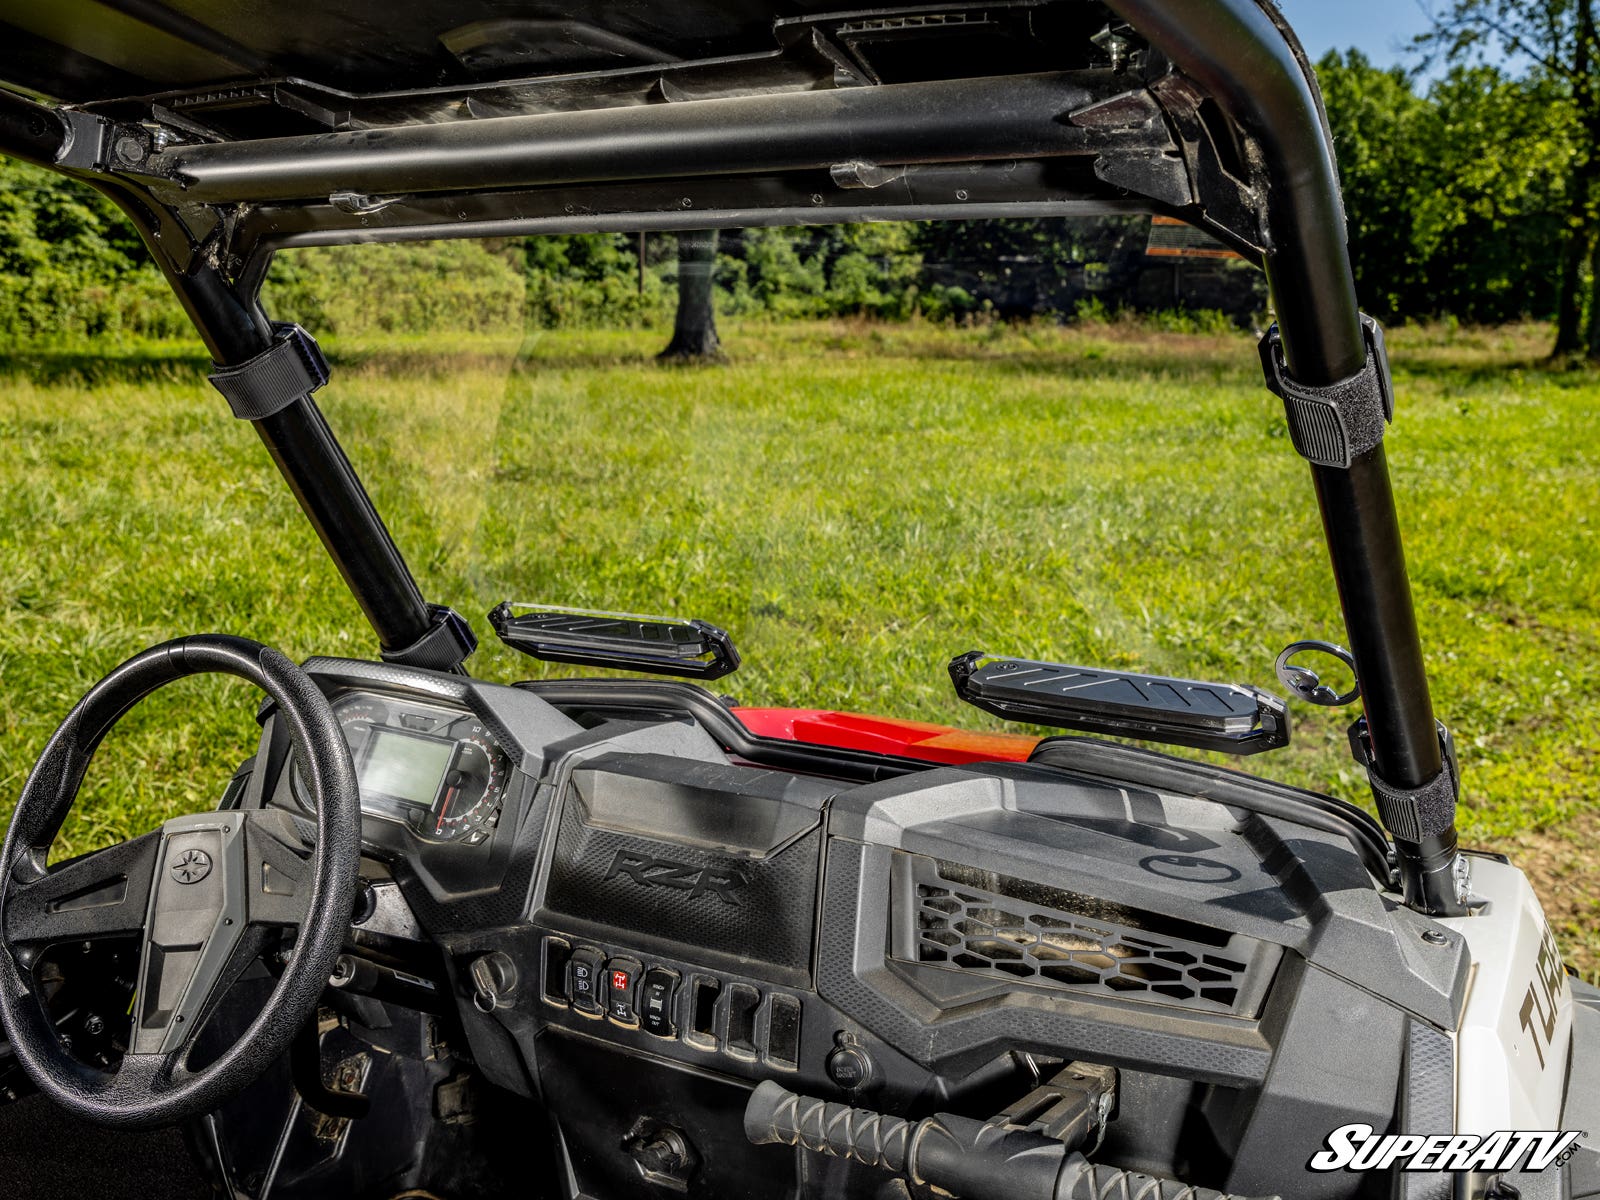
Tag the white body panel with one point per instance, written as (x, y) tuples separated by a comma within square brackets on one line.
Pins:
[(1511, 1050)]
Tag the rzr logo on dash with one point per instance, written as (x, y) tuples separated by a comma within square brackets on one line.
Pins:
[(1357, 1148), (646, 871)]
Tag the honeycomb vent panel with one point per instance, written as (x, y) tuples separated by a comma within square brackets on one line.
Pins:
[(1138, 956)]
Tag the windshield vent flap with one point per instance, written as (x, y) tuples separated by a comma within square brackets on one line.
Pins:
[(961, 919)]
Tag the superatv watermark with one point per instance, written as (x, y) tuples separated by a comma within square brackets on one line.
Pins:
[(1358, 1148)]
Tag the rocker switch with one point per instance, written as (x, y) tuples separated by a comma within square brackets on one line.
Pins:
[(656, 994), (584, 987), (621, 977)]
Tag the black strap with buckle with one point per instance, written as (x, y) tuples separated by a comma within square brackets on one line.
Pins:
[(1412, 814), (1332, 426), (291, 368)]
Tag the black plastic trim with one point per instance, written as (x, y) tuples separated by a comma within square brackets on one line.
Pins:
[(654, 697), (447, 644), (1089, 756), (1164, 772)]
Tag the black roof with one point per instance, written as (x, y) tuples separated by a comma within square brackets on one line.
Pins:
[(84, 51)]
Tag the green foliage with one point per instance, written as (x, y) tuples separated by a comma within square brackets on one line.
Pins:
[(883, 270), (71, 266), (1487, 207), (1454, 197), (1092, 310), (592, 279), (1181, 320), (1560, 39), (1376, 120), (404, 287), (773, 274), (836, 270)]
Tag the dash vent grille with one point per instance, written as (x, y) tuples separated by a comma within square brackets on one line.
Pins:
[(989, 924)]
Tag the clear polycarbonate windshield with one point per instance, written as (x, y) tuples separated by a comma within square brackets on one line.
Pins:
[(907, 443)]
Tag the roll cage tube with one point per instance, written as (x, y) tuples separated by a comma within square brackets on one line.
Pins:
[(297, 435), (329, 492), (1234, 53), (1241, 56)]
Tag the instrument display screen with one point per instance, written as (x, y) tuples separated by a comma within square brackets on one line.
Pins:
[(405, 765)]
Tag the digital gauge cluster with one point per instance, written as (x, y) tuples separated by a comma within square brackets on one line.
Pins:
[(435, 770)]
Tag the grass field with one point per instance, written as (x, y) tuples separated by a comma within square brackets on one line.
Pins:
[(857, 504)]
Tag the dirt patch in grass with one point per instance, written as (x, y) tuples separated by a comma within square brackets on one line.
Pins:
[(1564, 867)]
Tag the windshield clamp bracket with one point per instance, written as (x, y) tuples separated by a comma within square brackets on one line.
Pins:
[(448, 643), (1332, 426), (292, 368)]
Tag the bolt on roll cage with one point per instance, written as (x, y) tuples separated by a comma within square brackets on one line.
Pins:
[(1231, 138)]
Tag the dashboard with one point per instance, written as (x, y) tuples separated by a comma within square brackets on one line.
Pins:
[(636, 912)]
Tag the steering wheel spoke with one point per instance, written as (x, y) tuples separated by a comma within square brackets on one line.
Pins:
[(196, 917), (136, 1076), (278, 888), (254, 944), (100, 895)]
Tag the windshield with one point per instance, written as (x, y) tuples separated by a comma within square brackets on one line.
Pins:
[(889, 460), (911, 448)]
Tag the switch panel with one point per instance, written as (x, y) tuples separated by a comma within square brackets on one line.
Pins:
[(724, 1017)]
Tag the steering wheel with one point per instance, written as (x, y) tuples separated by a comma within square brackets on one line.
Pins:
[(206, 894)]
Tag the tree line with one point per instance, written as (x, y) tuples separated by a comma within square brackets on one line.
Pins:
[(1454, 195)]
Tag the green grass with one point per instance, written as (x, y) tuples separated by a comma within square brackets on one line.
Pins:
[(857, 503)]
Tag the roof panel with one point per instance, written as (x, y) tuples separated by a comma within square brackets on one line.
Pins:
[(364, 45), (91, 30)]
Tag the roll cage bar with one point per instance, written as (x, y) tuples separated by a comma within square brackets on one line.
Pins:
[(1208, 113)]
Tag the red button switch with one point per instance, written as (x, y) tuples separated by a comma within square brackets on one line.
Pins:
[(619, 977)]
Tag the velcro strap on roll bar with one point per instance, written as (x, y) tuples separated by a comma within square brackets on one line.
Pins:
[(1412, 814), (274, 379), (447, 644), (1333, 426)]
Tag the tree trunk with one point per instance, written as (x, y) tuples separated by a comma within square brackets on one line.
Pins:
[(694, 334), (1580, 197), (1592, 336), (1569, 298)]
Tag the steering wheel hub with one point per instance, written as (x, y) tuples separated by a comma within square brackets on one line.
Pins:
[(191, 866)]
